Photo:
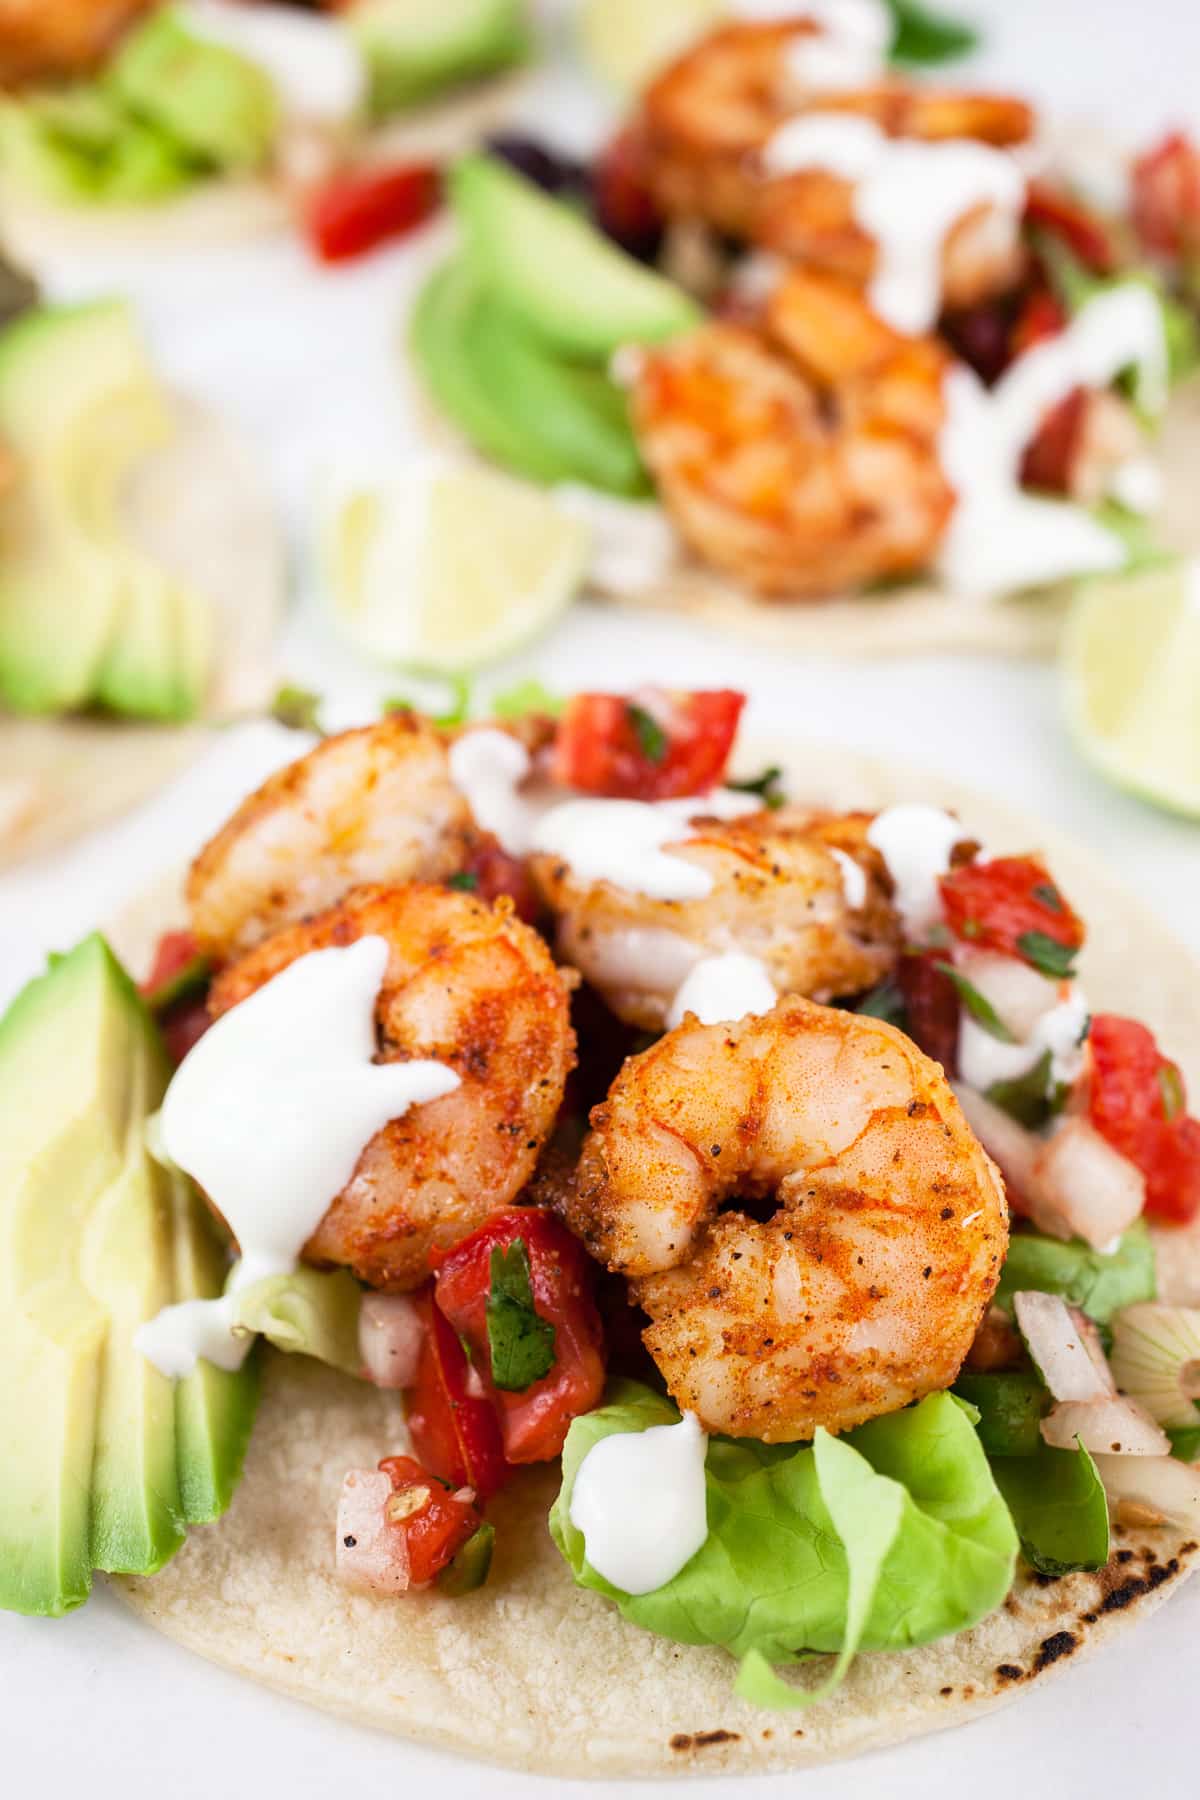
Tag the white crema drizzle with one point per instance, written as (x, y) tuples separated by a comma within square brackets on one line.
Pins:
[(999, 537), (269, 1113), (907, 195), (639, 1499)]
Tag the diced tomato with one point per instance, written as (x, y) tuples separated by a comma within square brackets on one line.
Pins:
[(1166, 196), (436, 1522), (1050, 458), (1041, 316), (354, 212), (174, 951), (491, 872), (623, 205), (657, 744), (1064, 217), (1137, 1101), (534, 1421), (455, 1431), (931, 1004), (996, 905)]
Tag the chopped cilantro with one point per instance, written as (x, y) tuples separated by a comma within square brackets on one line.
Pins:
[(1032, 1099), (1048, 894), (884, 1002), (186, 983), (768, 787), (651, 737), (977, 1004), (464, 881), (1046, 954), (298, 708), (927, 37), (526, 697), (520, 1340)]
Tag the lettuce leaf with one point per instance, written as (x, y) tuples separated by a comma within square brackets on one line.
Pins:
[(310, 1313), (1059, 1507), (1101, 1284), (891, 1536)]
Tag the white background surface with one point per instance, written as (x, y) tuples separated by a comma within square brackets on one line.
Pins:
[(99, 1704)]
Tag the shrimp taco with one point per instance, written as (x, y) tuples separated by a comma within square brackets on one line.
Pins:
[(210, 121), (849, 337), (143, 574), (716, 1292)]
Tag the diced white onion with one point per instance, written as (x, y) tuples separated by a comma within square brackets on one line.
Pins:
[(372, 1556), (1156, 1359), (1161, 1483), (1108, 1427), (1084, 1188), (1066, 1352), (1019, 994), (389, 1339)]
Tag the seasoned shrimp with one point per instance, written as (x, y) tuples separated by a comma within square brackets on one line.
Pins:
[(376, 804), (44, 39), (707, 120), (801, 459), (468, 985), (779, 893), (863, 1288)]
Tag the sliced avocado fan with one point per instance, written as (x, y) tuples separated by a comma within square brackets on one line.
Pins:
[(106, 1462)]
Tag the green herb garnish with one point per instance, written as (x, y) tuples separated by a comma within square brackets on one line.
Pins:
[(767, 786), (927, 37), (298, 708), (526, 697), (520, 1340), (464, 881), (1032, 1099), (884, 1002), (1170, 1085), (186, 983), (1048, 894), (1047, 955), (652, 739), (977, 1004)]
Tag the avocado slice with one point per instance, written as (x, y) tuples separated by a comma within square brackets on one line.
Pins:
[(84, 614), (413, 50), (218, 106), (105, 1460), (566, 282), (519, 403)]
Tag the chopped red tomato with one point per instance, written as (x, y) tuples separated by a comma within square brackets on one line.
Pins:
[(1041, 316), (657, 744), (176, 990), (1166, 196), (623, 205), (354, 212), (491, 872), (1085, 235), (452, 1422), (931, 1004), (534, 1419), (1137, 1101), (436, 1523), (1050, 458), (1012, 905), (174, 951)]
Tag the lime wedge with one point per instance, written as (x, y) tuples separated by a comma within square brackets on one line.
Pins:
[(1132, 674), (627, 42), (447, 566)]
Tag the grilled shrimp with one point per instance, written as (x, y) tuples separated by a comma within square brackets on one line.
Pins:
[(803, 1212), (45, 39), (468, 985), (782, 891), (708, 118), (372, 805), (802, 458)]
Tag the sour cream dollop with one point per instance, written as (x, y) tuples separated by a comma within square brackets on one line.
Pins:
[(269, 1114), (916, 843), (722, 989), (639, 1499), (907, 195)]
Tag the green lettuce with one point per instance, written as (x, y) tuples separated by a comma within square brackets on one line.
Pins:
[(309, 1313), (1101, 1284), (1059, 1507), (891, 1536)]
